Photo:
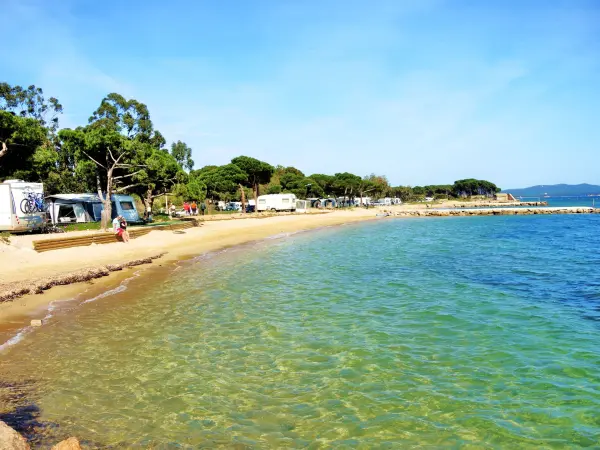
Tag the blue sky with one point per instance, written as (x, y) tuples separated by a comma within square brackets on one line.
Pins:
[(423, 91)]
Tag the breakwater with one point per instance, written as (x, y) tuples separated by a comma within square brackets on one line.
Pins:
[(500, 205), (494, 211)]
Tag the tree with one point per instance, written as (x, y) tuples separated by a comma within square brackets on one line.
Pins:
[(379, 184), (27, 121), (118, 140), (471, 186), (221, 181), (20, 137), (324, 181), (183, 154), (274, 189), (158, 177), (404, 193), (345, 184), (30, 103), (258, 172)]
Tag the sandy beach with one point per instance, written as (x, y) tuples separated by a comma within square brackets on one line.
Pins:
[(22, 265)]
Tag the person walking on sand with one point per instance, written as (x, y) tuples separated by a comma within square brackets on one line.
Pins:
[(194, 207), (186, 208), (172, 210), (203, 207), (120, 228)]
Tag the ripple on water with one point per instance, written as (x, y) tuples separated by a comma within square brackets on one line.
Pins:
[(464, 332)]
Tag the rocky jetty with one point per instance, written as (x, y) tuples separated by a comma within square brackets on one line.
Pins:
[(500, 205), (493, 212)]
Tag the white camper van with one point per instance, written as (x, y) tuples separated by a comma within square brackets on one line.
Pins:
[(277, 202), (18, 210)]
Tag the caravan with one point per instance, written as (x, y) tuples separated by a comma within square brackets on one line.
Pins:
[(21, 206), (277, 202), (67, 208)]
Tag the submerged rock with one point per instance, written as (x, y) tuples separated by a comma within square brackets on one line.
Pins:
[(68, 444), (10, 439)]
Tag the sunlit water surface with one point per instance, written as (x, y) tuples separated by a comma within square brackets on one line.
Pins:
[(479, 332)]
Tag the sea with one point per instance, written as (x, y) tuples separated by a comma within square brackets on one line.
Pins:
[(462, 332), (589, 201)]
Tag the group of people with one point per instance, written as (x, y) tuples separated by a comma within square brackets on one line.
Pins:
[(191, 209)]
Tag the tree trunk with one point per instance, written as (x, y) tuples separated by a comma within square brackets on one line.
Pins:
[(107, 210), (255, 192), (4, 150), (148, 203), (243, 195)]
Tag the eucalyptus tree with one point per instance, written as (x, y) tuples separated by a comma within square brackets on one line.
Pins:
[(30, 103), (20, 138), (118, 140), (27, 125), (183, 154)]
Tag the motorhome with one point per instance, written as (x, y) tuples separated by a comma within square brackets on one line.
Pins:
[(277, 202), (18, 208)]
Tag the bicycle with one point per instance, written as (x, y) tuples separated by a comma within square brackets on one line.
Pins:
[(32, 202)]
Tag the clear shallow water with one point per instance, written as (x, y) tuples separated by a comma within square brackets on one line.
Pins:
[(474, 332)]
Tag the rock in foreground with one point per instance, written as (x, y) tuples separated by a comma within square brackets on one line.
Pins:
[(68, 444), (10, 439)]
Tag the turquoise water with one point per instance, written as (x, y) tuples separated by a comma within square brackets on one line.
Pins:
[(468, 332)]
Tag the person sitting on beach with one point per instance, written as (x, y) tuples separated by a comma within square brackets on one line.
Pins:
[(120, 228)]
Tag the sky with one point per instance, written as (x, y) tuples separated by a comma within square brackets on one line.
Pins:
[(422, 91)]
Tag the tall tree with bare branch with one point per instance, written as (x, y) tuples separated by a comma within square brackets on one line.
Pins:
[(118, 140)]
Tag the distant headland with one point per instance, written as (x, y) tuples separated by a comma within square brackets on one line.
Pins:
[(556, 190)]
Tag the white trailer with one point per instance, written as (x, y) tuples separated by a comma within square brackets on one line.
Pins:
[(13, 215), (277, 202), (362, 201)]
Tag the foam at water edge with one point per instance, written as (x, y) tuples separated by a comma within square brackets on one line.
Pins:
[(120, 288), (16, 338)]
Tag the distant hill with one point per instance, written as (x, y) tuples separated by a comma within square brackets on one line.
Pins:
[(556, 190)]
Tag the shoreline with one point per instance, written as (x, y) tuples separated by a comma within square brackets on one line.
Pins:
[(59, 274), (23, 299)]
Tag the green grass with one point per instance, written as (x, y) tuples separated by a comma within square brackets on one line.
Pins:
[(80, 226)]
